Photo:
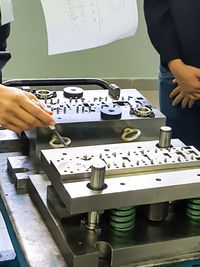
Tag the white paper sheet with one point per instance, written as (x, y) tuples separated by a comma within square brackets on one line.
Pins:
[(81, 24), (6, 11)]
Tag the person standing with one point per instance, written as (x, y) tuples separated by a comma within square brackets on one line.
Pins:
[(173, 28)]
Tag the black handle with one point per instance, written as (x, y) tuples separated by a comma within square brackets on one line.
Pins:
[(57, 82)]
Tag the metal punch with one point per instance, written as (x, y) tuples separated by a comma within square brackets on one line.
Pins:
[(53, 128)]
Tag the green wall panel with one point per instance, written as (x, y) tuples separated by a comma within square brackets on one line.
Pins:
[(128, 58)]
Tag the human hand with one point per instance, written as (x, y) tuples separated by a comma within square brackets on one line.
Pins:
[(19, 113), (188, 83), (181, 97)]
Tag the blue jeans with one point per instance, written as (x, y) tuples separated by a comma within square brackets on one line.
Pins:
[(185, 123)]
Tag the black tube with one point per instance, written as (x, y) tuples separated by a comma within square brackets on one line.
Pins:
[(57, 82)]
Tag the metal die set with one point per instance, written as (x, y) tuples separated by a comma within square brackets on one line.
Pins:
[(121, 193)]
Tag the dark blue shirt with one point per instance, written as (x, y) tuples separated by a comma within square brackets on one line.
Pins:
[(174, 29), (4, 33)]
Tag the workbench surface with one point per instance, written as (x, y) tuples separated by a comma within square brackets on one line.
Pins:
[(35, 241)]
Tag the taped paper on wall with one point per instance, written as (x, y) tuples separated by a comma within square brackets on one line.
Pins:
[(74, 25), (6, 11)]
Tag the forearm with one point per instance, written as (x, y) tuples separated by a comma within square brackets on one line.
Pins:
[(175, 66)]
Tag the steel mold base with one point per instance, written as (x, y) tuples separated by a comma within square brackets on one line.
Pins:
[(175, 239)]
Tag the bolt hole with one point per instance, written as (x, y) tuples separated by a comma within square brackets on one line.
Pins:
[(198, 174), (122, 184), (158, 179), (104, 186)]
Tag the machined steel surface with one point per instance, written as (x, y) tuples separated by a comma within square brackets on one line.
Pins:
[(81, 121), (37, 245), (177, 236), (97, 185), (130, 190), (148, 244), (119, 159), (11, 142), (19, 168), (137, 174), (156, 212), (165, 137), (97, 175)]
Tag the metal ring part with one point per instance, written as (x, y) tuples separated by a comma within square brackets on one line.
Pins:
[(73, 92), (143, 111), (129, 134), (44, 94), (55, 143), (111, 113)]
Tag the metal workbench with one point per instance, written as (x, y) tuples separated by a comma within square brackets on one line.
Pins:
[(32, 241)]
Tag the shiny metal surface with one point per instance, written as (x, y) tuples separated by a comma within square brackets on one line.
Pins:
[(19, 167), (155, 212), (69, 198), (96, 184), (159, 211), (165, 137), (54, 200), (148, 244), (29, 228), (97, 175), (11, 142), (130, 190), (132, 158), (93, 220), (80, 119)]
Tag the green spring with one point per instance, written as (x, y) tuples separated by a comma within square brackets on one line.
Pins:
[(193, 209), (122, 219)]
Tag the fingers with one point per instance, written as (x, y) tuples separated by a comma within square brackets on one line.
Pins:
[(184, 102), (177, 99), (41, 104), (18, 112), (191, 103), (194, 96), (12, 127), (36, 111), (175, 92), (15, 121), (185, 99)]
